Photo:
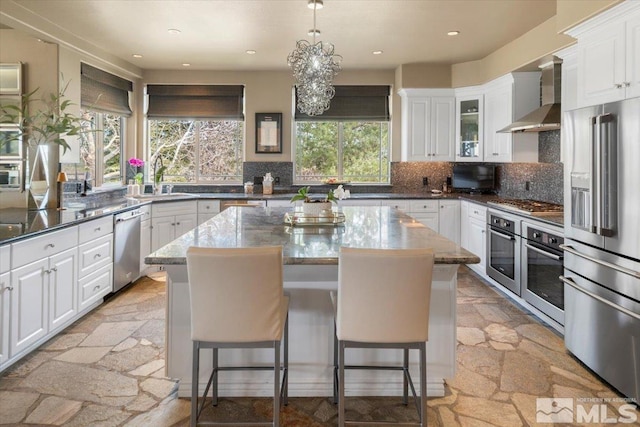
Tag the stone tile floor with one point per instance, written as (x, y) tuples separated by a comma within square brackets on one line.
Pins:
[(107, 370)]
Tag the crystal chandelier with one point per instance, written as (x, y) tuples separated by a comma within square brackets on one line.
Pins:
[(314, 66)]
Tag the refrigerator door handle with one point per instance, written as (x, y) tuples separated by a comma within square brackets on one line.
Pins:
[(606, 175), (624, 270), (570, 282)]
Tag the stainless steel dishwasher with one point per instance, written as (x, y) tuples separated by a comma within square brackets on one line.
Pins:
[(126, 246)]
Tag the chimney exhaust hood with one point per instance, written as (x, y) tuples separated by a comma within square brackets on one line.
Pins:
[(547, 117)]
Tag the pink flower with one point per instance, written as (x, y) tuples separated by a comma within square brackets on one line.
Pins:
[(136, 163)]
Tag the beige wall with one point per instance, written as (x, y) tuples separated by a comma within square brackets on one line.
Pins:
[(271, 92), (40, 71), (423, 75)]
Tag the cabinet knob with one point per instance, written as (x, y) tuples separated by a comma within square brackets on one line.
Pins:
[(177, 223), (173, 223), (617, 86), (97, 229), (626, 84)]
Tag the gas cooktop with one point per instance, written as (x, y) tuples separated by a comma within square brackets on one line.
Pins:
[(529, 207)]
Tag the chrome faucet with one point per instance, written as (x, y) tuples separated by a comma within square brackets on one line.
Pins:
[(157, 187)]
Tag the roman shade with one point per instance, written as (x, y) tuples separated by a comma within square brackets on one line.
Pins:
[(196, 102), (354, 103), (102, 91)]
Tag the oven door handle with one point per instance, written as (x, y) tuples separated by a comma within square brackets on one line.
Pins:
[(570, 282), (545, 253), (504, 236), (624, 270)]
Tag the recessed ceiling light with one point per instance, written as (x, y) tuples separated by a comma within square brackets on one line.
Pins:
[(174, 31), (377, 52), (186, 64), (313, 32), (453, 33), (251, 52), (137, 55), (315, 4)]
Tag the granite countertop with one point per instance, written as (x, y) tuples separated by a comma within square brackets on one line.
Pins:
[(19, 223), (365, 227)]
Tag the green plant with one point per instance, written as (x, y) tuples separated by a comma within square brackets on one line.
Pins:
[(159, 173), (44, 119), (303, 194)]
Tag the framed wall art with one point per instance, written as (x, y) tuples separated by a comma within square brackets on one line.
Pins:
[(268, 132)]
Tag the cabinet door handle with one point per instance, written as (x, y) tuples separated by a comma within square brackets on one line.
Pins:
[(97, 229), (207, 207), (96, 256), (49, 245), (8, 288), (96, 288), (626, 84), (54, 269), (177, 223), (173, 223), (618, 85)]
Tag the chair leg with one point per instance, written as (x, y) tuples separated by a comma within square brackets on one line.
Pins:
[(423, 384), (341, 409), (285, 384), (405, 384), (214, 386), (335, 364), (276, 384), (194, 383)]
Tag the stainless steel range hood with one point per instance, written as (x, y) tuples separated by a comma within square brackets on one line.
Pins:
[(547, 117)]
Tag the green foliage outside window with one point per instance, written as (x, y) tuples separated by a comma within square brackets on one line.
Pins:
[(346, 151)]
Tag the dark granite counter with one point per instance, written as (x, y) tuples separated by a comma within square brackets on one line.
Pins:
[(16, 223)]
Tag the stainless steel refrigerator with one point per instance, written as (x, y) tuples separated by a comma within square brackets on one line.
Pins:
[(602, 241)]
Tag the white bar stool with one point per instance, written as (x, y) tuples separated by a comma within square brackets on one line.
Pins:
[(383, 302), (237, 301)]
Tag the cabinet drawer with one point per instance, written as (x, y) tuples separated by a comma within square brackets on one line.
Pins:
[(95, 286), (208, 206), (478, 212), (174, 208), (97, 228), (40, 247), (423, 206), (94, 255), (5, 258), (401, 205)]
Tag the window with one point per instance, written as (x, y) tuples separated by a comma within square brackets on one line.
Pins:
[(349, 142), (105, 106), (197, 131), (214, 145), (100, 150)]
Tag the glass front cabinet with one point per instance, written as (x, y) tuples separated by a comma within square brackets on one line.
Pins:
[(469, 131)]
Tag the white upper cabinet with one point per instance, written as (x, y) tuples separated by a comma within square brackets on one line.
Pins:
[(428, 124), (469, 125), (609, 55), (506, 99)]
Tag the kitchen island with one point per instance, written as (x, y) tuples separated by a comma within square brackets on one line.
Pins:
[(310, 256)]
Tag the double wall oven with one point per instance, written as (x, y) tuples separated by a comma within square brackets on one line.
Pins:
[(524, 255)]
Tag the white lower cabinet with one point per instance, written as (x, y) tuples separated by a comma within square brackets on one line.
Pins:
[(425, 212), (473, 226), (94, 286), (449, 220), (145, 242), (207, 209), (42, 299), (5, 297), (171, 220)]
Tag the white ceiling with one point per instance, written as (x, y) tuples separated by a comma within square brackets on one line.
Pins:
[(215, 34)]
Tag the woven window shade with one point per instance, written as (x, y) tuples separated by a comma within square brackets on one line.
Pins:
[(354, 103), (196, 102), (102, 91)]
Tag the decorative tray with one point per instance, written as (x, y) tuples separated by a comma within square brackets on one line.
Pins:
[(300, 219)]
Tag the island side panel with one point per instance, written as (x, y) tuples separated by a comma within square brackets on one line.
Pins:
[(311, 342)]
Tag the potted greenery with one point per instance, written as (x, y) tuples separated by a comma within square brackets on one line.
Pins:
[(41, 122), (313, 207)]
